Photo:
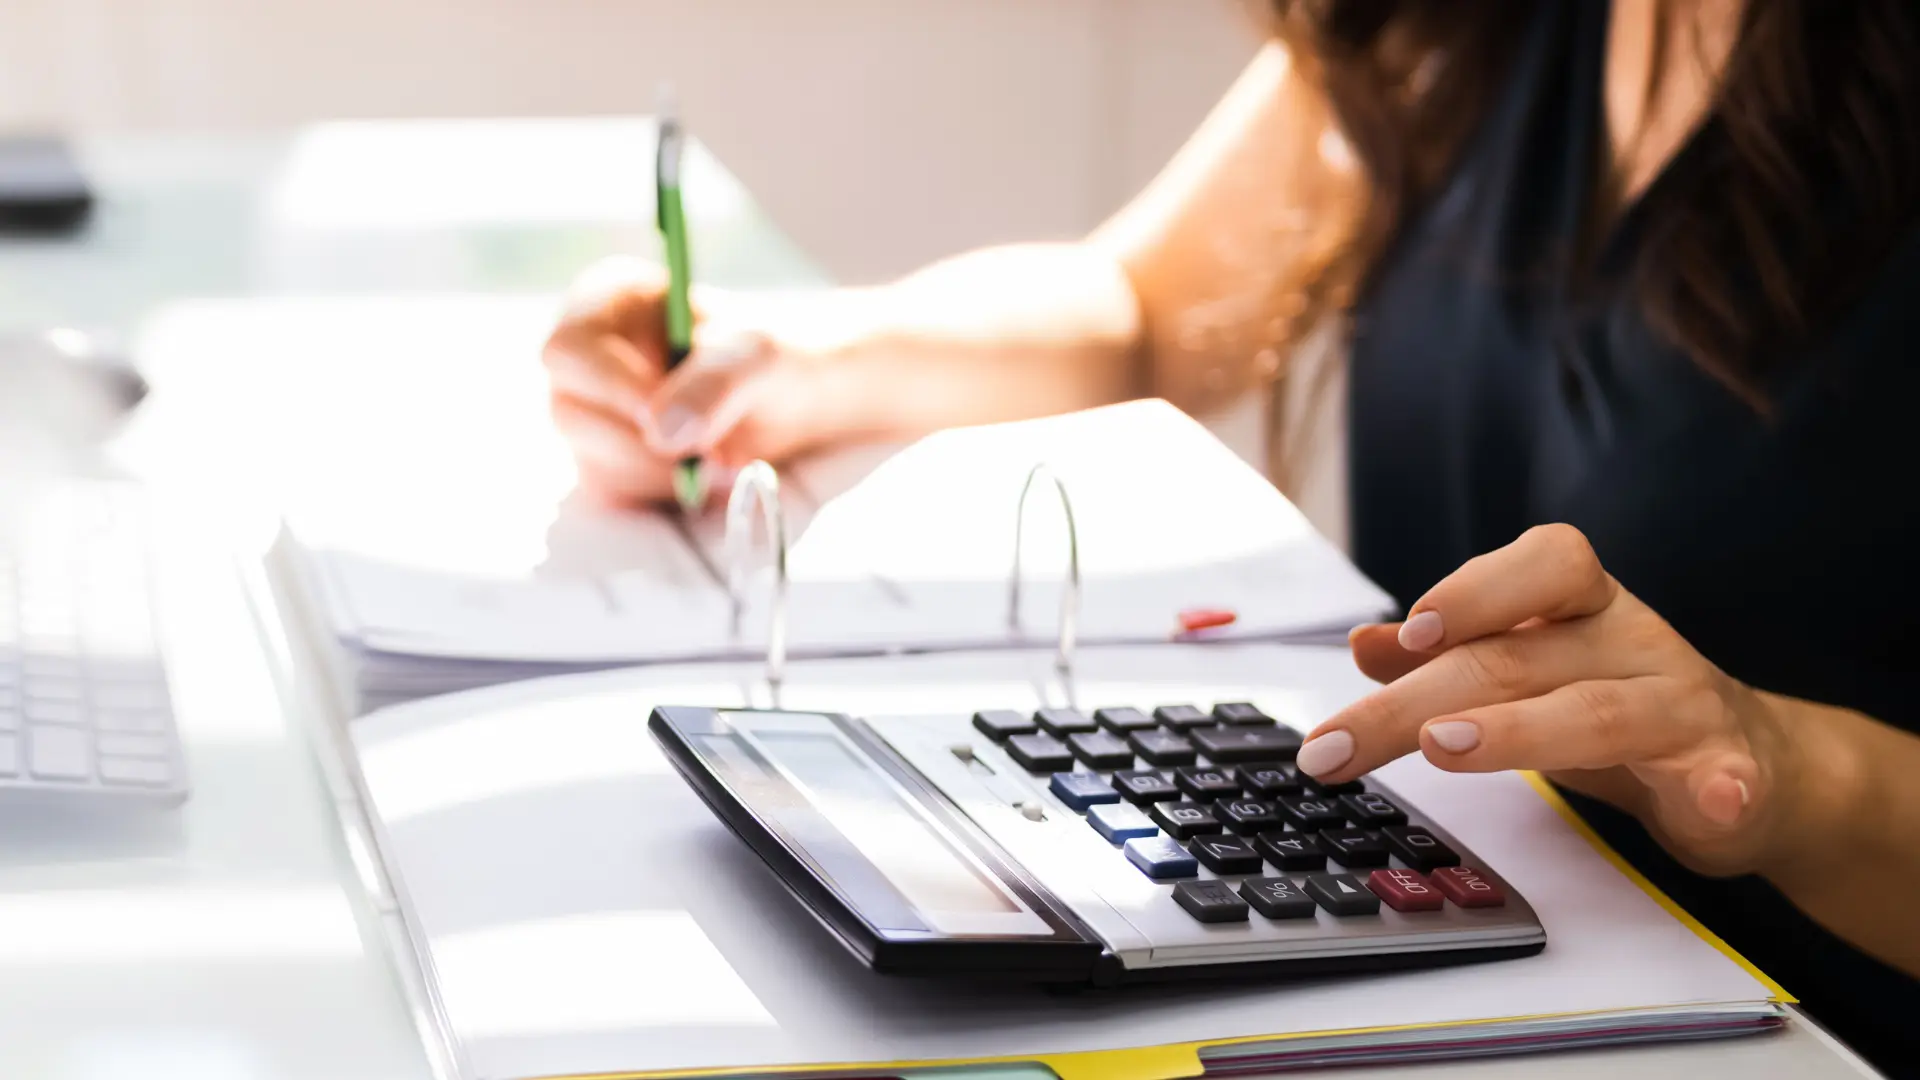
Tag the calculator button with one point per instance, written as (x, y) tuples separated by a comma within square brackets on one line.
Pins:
[(1354, 848), (1122, 721), (1318, 787), (1235, 744), (1062, 722), (1080, 790), (1183, 819), (1040, 753), (1210, 901), (1240, 712), (1162, 747), (1181, 717), (1372, 809), (1119, 822), (1311, 814), (997, 724), (1160, 858), (1343, 894), (9, 755), (1205, 784), (1267, 779), (1224, 854), (135, 772), (1246, 816), (1405, 890), (1145, 787), (1292, 850), (1418, 848), (1467, 887), (59, 753), (1101, 750), (1277, 898)]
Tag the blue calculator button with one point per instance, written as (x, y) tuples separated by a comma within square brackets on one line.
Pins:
[(1081, 790), (1119, 822), (1160, 858)]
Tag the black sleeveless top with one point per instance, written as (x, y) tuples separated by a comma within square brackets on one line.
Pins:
[(1483, 400)]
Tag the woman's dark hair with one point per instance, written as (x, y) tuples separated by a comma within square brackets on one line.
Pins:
[(1811, 179)]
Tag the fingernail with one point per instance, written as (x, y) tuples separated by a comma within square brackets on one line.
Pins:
[(1745, 798), (1422, 632), (680, 429), (1455, 736), (1325, 753)]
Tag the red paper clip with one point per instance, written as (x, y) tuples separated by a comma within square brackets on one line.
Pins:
[(1195, 620)]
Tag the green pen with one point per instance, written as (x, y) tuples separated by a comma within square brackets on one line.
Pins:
[(688, 484)]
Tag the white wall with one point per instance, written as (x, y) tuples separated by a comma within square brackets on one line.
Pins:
[(880, 133)]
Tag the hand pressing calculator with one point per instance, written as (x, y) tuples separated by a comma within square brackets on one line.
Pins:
[(1121, 845)]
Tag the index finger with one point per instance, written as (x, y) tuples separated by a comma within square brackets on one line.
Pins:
[(1550, 573)]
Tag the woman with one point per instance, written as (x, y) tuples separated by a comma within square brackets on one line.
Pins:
[(1633, 296)]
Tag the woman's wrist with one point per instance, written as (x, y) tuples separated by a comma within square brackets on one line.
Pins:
[(1825, 781)]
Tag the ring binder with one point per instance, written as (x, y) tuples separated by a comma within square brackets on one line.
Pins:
[(759, 485), (1070, 598)]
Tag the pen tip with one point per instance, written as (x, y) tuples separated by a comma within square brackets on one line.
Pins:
[(666, 106)]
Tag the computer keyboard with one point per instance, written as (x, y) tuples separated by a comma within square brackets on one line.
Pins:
[(86, 713)]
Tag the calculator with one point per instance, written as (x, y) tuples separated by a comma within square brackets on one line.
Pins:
[(1095, 847)]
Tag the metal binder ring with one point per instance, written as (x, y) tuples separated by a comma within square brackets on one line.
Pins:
[(1070, 597), (759, 485)]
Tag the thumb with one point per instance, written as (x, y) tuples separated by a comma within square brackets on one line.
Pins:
[(699, 402)]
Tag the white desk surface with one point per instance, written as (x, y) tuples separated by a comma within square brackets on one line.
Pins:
[(226, 941)]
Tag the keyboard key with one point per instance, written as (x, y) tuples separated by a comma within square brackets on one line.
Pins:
[(1181, 717), (1162, 747), (51, 711), (1145, 787), (113, 744), (1267, 779), (59, 753), (1240, 712), (1343, 894), (1123, 721), (1210, 901), (1405, 890), (1418, 848), (1119, 822), (1372, 809), (1316, 787), (1237, 744), (1183, 819), (1467, 887), (1040, 753), (1277, 898), (1247, 816), (1205, 784), (135, 772), (136, 720), (1160, 858), (1292, 850), (1062, 722), (1102, 750), (9, 755), (1311, 815), (999, 724), (1077, 790), (1224, 854), (1354, 848)]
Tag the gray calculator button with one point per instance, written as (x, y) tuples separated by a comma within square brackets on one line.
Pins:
[(132, 720), (114, 744), (1343, 894), (54, 711), (1210, 901), (9, 755), (59, 753), (1277, 898), (135, 772)]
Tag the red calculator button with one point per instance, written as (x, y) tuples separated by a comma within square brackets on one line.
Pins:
[(1405, 890), (1467, 887)]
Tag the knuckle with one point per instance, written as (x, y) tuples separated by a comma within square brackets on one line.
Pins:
[(1497, 664), (1605, 708)]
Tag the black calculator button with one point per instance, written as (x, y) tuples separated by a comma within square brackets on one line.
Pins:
[(1372, 809), (1354, 848), (1268, 778), (1162, 747), (1224, 854), (1245, 816), (1236, 744), (1317, 787), (1210, 901), (1181, 717), (1122, 721), (1205, 783), (997, 724), (1292, 850), (1239, 712), (1418, 848), (1142, 788), (1040, 753), (1343, 894), (1277, 898), (1309, 814), (1183, 819), (1061, 722), (1101, 750)]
